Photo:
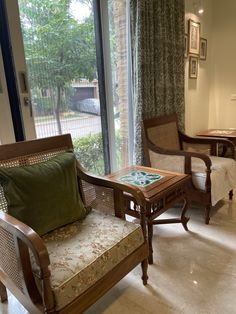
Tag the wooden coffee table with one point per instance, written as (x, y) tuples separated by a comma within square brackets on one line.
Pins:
[(161, 189)]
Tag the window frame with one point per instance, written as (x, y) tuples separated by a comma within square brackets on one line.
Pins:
[(101, 25), (10, 74)]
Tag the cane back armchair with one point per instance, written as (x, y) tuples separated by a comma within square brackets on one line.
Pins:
[(92, 255), (168, 148)]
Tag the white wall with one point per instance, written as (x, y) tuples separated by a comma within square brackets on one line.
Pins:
[(223, 67), (208, 101), (197, 91)]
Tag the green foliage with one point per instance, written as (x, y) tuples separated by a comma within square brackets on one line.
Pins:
[(89, 151), (43, 106), (58, 48), (118, 149)]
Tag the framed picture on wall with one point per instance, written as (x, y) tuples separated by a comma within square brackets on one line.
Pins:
[(186, 45), (194, 37), (193, 67), (203, 49)]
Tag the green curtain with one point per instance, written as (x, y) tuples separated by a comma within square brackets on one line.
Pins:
[(157, 45)]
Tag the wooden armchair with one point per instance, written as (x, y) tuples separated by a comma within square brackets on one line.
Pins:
[(167, 148), (68, 269)]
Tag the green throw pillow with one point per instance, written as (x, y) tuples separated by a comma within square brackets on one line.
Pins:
[(45, 195)]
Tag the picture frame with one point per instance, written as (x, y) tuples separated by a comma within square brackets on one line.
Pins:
[(194, 37), (193, 67), (186, 45), (203, 49)]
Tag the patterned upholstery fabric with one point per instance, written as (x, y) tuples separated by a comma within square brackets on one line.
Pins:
[(223, 172), (223, 177), (197, 148), (167, 162), (157, 46), (84, 251)]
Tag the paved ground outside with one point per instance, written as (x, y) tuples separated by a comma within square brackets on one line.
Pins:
[(77, 127)]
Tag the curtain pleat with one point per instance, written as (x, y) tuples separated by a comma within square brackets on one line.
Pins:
[(157, 44)]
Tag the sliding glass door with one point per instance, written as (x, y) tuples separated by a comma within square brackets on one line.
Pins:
[(60, 80), (6, 126), (119, 84), (60, 54)]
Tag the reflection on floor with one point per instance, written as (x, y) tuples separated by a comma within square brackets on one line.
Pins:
[(193, 272)]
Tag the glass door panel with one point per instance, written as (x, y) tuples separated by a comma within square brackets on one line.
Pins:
[(19, 65), (118, 32), (59, 46), (6, 126)]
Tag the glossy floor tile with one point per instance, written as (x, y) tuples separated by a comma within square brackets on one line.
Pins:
[(193, 272)]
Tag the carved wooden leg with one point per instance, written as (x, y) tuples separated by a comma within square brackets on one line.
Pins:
[(185, 219), (231, 194), (207, 214), (3, 292), (144, 270), (150, 234)]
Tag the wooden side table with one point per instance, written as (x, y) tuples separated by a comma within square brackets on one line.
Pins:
[(161, 189), (229, 134)]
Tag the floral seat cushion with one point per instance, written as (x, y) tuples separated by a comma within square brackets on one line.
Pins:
[(83, 252)]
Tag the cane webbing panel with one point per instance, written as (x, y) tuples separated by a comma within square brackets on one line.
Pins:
[(164, 135), (30, 159), (98, 197), (9, 261), (3, 202), (167, 162)]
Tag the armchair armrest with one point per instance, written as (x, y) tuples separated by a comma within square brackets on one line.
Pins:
[(119, 190), (212, 141), (24, 238), (187, 159), (106, 182)]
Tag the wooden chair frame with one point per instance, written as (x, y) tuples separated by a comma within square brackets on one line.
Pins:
[(203, 197), (24, 238)]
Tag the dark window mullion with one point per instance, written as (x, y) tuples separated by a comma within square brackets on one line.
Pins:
[(9, 67), (101, 82)]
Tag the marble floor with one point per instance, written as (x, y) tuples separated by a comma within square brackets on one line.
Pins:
[(193, 272)]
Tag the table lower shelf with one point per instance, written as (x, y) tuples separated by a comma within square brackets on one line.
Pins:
[(154, 210)]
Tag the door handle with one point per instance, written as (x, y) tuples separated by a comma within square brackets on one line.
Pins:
[(28, 103)]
